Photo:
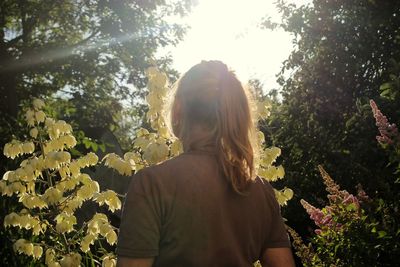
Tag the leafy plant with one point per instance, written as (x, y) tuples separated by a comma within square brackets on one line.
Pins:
[(342, 53), (356, 230), (51, 186)]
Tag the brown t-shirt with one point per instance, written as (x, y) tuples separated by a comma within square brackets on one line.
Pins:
[(184, 212)]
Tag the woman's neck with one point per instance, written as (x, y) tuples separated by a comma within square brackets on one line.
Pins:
[(199, 138)]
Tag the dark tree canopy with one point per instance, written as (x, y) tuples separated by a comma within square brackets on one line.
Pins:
[(92, 53), (342, 57)]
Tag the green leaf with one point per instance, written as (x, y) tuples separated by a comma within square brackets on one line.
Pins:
[(381, 234), (94, 146), (102, 147), (86, 142), (385, 86), (351, 207)]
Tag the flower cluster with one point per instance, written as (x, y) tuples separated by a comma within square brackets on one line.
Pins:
[(315, 214), (24, 220), (110, 198), (149, 147), (16, 148), (342, 207), (51, 186), (98, 225), (303, 251), (266, 170), (28, 248), (388, 131), (124, 166)]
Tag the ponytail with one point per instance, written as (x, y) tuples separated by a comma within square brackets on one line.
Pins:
[(234, 151), (212, 96)]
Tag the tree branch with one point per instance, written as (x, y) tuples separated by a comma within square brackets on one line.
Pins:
[(27, 24), (87, 39), (21, 6)]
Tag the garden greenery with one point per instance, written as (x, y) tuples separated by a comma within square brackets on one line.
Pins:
[(355, 230)]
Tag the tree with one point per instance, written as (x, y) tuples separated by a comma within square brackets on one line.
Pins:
[(88, 57), (342, 55), (91, 53)]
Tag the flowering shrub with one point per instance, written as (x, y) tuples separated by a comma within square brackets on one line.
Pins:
[(50, 185), (386, 208), (343, 207), (356, 230), (388, 131), (342, 231), (352, 231)]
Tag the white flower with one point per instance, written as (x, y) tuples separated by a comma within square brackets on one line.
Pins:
[(110, 198), (28, 147), (30, 117), (13, 149), (52, 195), (71, 260), (109, 261), (65, 222), (23, 246), (40, 116), (37, 252), (33, 132), (87, 241), (38, 104)]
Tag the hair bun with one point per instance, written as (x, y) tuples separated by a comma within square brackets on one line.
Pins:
[(219, 69), (216, 65)]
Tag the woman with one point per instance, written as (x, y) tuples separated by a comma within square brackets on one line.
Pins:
[(204, 207)]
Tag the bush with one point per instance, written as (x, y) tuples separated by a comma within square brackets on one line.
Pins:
[(356, 230)]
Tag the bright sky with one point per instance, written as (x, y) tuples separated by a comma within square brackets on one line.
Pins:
[(228, 30)]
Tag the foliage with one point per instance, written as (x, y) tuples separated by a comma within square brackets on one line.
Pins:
[(90, 54), (348, 232), (341, 56), (50, 186), (338, 243), (357, 230)]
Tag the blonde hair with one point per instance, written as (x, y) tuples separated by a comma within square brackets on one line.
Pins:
[(211, 96)]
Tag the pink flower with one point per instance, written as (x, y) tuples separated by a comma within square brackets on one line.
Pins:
[(350, 199), (315, 214), (361, 195), (318, 231), (327, 220), (388, 131)]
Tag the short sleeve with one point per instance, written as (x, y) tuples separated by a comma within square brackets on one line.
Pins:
[(139, 232), (277, 236)]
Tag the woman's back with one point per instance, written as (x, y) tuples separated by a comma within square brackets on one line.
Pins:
[(205, 207), (184, 212)]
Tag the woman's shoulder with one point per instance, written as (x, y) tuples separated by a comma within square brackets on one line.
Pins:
[(164, 167), (265, 187), (165, 170)]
